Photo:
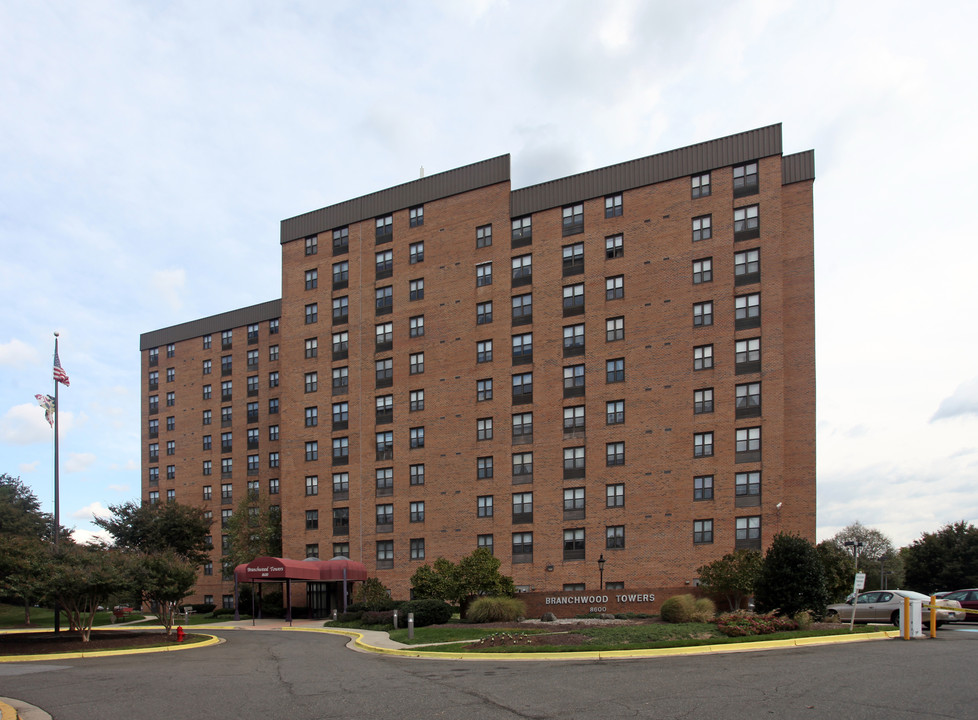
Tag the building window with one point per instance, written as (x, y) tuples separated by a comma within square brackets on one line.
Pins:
[(416, 289), (341, 240), (385, 554), (312, 382), (522, 428), (483, 390), (484, 541), (483, 274), (384, 336), (273, 379), (207, 492), (384, 300), (341, 483), (614, 537), (227, 442), (253, 438), (171, 350), (748, 400), (312, 519), (615, 454), (416, 326), (227, 493), (341, 550), (416, 253), (171, 423), (614, 329), (341, 521), (341, 451), (483, 429), (573, 259), (574, 544), (340, 414), (523, 507), (312, 313), (171, 374), (385, 481), (484, 506), (383, 373), (702, 532), (615, 370), (206, 419), (273, 459), (341, 274), (416, 474), (385, 445), (226, 368), (483, 236), (522, 388), (206, 370), (341, 310), (312, 347), (573, 381), (573, 340), (416, 437), (574, 420), (745, 180), (154, 404), (574, 464), (703, 444), (312, 450), (522, 309), (523, 547), (385, 514), (748, 532), (207, 342), (702, 228), (416, 400), (615, 495), (226, 416), (312, 245), (573, 299), (312, 485), (522, 270), (154, 376), (154, 475), (341, 345), (154, 357), (614, 247), (700, 185), (522, 348), (483, 351), (273, 486), (522, 231), (385, 409), (384, 261), (273, 353), (747, 267), (417, 548), (573, 219), (747, 223), (748, 444), (702, 271), (226, 389), (574, 501), (154, 497), (227, 336), (340, 380), (612, 206), (747, 311), (273, 432), (703, 401), (747, 484), (252, 385), (416, 363), (384, 228), (312, 279), (483, 467), (417, 512), (702, 357), (747, 356), (614, 287), (483, 313), (703, 487), (416, 216), (154, 451), (273, 327), (522, 467)]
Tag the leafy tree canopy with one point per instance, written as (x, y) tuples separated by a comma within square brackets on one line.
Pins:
[(158, 527), (253, 530), (733, 576), (943, 560), (791, 578), (476, 574), (82, 577), (162, 578), (20, 510), (875, 543), (838, 568)]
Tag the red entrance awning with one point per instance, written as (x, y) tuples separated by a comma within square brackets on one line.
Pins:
[(272, 569)]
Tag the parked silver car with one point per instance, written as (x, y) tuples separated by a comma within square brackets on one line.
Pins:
[(885, 606)]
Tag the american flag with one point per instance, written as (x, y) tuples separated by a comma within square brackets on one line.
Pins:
[(59, 372)]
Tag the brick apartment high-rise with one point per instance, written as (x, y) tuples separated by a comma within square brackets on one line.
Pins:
[(616, 363)]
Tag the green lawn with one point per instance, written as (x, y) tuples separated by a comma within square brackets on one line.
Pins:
[(12, 616), (438, 634)]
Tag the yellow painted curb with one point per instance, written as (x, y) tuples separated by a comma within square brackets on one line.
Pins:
[(211, 640), (7, 712)]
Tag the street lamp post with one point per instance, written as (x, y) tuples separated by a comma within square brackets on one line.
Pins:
[(855, 599), (601, 562)]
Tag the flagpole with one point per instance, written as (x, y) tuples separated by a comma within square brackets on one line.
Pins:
[(57, 509)]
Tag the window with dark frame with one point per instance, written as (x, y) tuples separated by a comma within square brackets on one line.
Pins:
[(703, 487), (612, 205), (700, 185)]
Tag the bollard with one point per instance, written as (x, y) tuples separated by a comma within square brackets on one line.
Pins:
[(933, 616), (334, 614), (395, 619), (410, 626), (906, 618)]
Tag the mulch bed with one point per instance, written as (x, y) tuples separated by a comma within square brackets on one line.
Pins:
[(44, 643)]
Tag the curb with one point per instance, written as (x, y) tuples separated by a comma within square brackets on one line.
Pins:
[(211, 640), (358, 643)]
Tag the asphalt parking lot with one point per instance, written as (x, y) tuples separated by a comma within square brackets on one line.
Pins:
[(313, 676)]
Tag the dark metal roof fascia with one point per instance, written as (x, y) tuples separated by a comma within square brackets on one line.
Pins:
[(213, 324), (798, 167), (702, 157), (417, 192)]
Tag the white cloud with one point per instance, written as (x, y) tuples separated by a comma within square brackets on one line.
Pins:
[(90, 511), (963, 401), (30, 467), (18, 354), (25, 424), (89, 537), (79, 462)]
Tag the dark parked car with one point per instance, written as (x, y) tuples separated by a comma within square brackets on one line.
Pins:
[(968, 600)]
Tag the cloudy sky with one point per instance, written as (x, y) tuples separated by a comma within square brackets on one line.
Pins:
[(149, 150)]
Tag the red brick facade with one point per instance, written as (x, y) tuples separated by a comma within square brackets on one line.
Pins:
[(654, 305)]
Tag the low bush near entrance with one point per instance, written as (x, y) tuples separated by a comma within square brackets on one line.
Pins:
[(686, 608), (744, 624), (426, 612), (496, 609)]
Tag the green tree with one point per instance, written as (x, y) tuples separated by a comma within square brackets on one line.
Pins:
[(476, 574), (25, 562), (20, 510), (82, 577), (792, 578), (159, 527), (838, 569), (253, 530), (943, 560), (733, 576), (373, 595), (163, 579), (876, 554)]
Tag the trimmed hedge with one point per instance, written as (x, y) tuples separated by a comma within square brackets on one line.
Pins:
[(426, 612)]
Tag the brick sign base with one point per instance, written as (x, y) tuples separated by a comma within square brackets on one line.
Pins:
[(572, 604)]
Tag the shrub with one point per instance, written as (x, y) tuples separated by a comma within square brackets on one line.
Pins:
[(203, 608), (222, 612), (803, 619), (426, 612), (792, 578), (704, 610), (374, 595), (496, 609), (678, 609), (742, 624), (378, 617), (349, 616)]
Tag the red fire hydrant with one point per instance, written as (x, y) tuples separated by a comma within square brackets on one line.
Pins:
[(180, 633)]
